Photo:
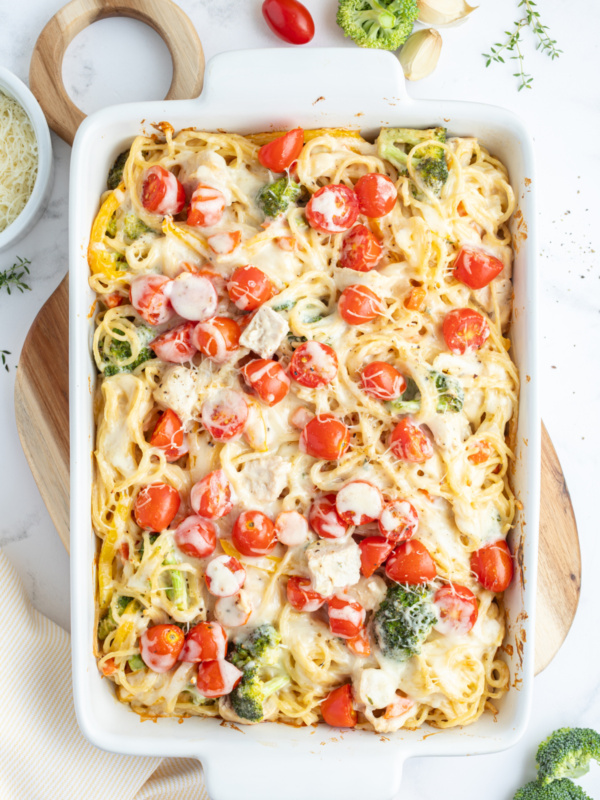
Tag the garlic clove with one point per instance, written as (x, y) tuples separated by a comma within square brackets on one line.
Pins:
[(420, 54), (443, 12)]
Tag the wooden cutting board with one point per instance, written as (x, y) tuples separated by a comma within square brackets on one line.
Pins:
[(42, 413)]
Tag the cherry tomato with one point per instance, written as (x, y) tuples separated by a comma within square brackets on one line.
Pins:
[(361, 250), (268, 380), (206, 641), (456, 609), (398, 521), (289, 20), (217, 678), (324, 519), (156, 506), (113, 300), (224, 576), (175, 346), (409, 442), (359, 502), (291, 528), (224, 243), (211, 496), (493, 566), (206, 206), (346, 617), (360, 644), (476, 268), (332, 209), (148, 297), (109, 667), (337, 708), (217, 339), (313, 364), (326, 437), (224, 414), (249, 288), (196, 537), (160, 647), (411, 563), (382, 381), (482, 453), (465, 330), (168, 435), (193, 297), (415, 299), (234, 611), (373, 552), (279, 154), (254, 534), (358, 305), (161, 192), (376, 194), (301, 596)]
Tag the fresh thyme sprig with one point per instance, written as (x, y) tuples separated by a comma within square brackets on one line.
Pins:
[(13, 276), (3, 354), (513, 41)]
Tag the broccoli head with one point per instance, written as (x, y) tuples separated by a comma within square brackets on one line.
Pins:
[(133, 227), (120, 351), (566, 753), (115, 174), (261, 645), (450, 395), (563, 789), (385, 24), (409, 401), (274, 198), (429, 160), (403, 621)]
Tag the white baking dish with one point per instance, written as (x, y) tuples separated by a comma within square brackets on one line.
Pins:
[(254, 91)]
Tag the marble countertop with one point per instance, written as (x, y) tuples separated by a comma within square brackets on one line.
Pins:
[(562, 111)]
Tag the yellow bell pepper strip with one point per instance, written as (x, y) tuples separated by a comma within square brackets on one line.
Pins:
[(125, 629), (268, 136), (101, 260), (105, 565)]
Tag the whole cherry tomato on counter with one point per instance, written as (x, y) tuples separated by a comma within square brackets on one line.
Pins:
[(289, 20)]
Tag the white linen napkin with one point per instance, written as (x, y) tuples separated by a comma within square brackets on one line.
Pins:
[(43, 754)]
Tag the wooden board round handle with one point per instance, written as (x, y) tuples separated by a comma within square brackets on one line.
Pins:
[(167, 19)]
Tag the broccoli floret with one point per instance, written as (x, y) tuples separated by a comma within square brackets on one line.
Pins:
[(111, 228), (120, 351), (450, 395), (136, 663), (115, 174), (385, 24), (409, 401), (566, 753), (261, 645), (133, 227), (197, 698), (563, 789), (429, 160), (274, 198), (403, 621)]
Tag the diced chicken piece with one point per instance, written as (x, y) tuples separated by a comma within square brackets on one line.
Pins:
[(178, 391), (265, 332), (449, 430), (481, 523), (262, 480), (369, 592), (375, 687), (333, 565)]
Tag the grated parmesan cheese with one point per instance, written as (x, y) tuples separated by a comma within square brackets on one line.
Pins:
[(18, 160)]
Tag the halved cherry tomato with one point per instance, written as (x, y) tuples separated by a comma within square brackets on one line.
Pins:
[(193, 297), (224, 243), (398, 521), (358, 304), (210, 497), (218, 338), (175, 346), (224, 576), (268, 380), (234, 611), (346, 616), (206, 641), (359, 502), (332, 209), (493, 566), (249, 288), (456, 609), (373, 552), (109, 667), (326, 437), (313, 364), (196, 537), (301, 596), (415, 299), (161, 192), (160, 647), (156, 506), (291, 528), (337, 708), (206, 206), (411, 563), (289, 20), (148, 297), (382, 381), (113, 300), (324, 519), (168, 435), (254, 534), (217, 678), (376, 194), (224, 414), (476, 268), (361, 250), (465, 330), (279, 154), (409, 442), (360, 644)]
